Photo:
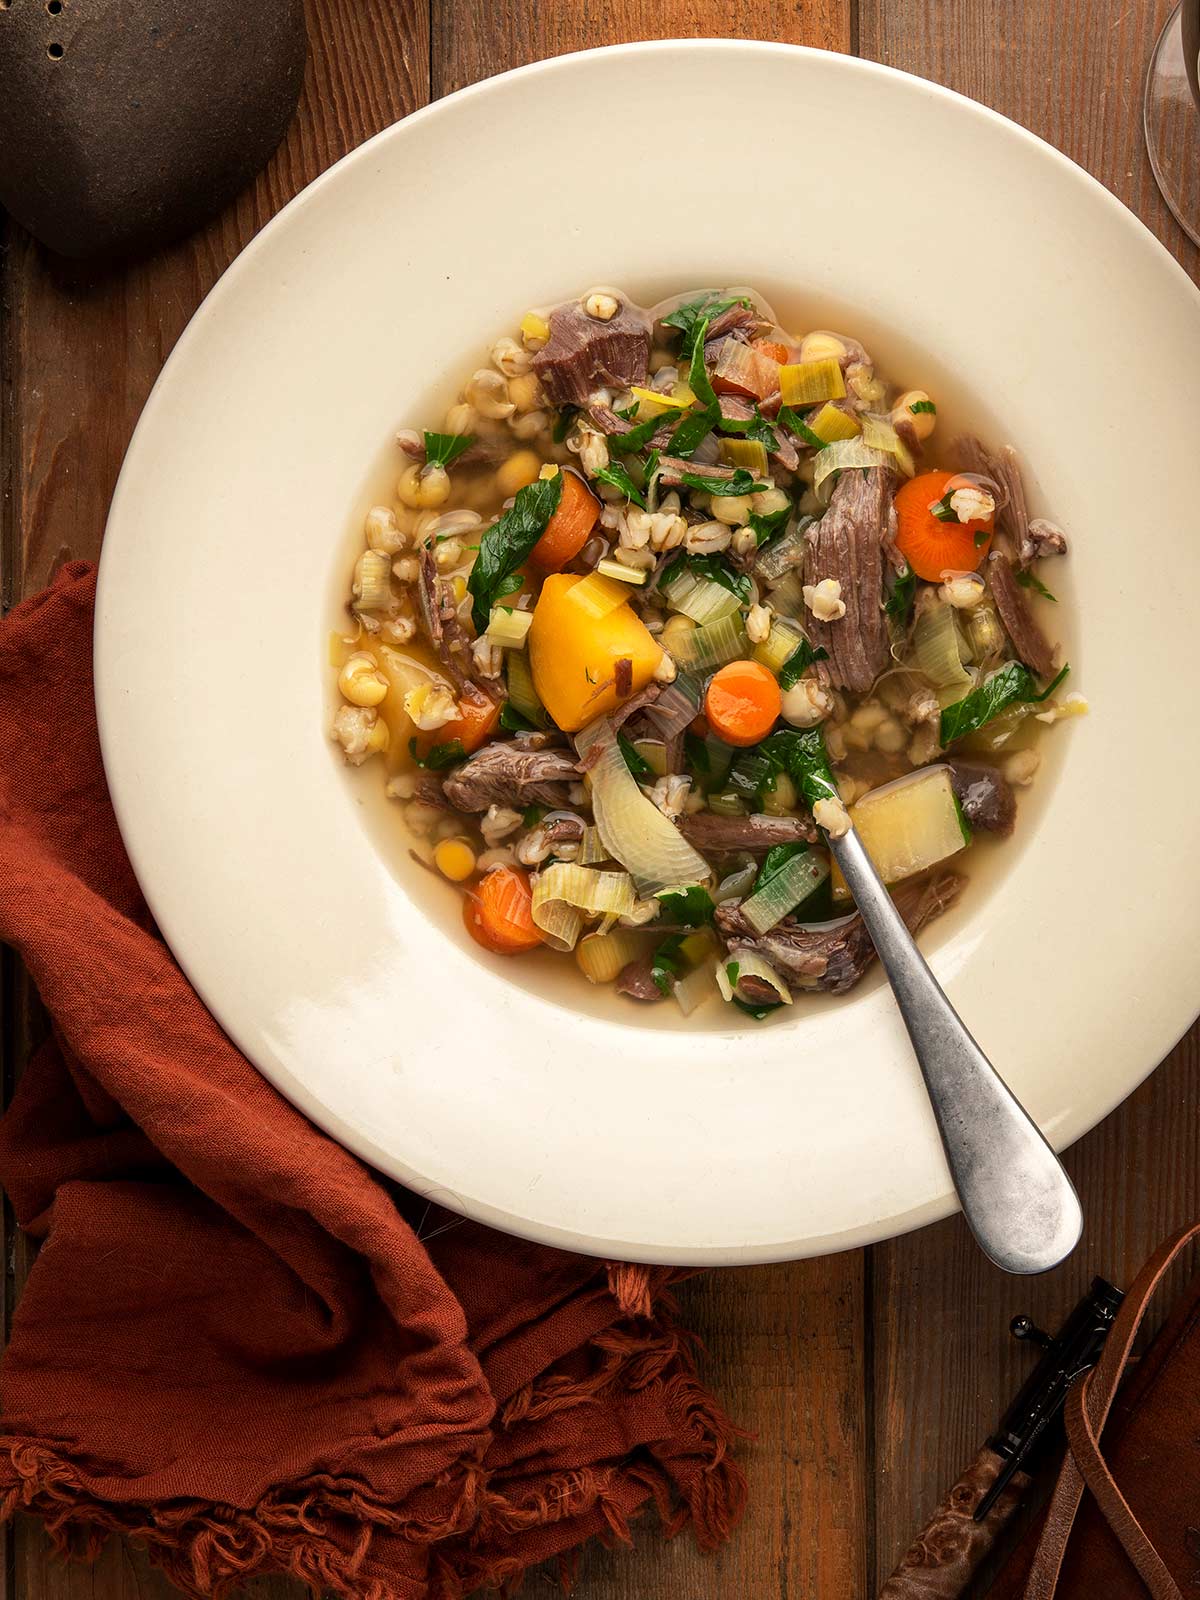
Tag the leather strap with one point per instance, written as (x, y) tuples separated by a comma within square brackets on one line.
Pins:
[(1087, 1409)]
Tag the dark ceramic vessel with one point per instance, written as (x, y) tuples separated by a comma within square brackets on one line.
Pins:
[(125, 123)]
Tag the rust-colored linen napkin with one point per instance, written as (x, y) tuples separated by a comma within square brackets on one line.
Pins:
[(235, 1344)]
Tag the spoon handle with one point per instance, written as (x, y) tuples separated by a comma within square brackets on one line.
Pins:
[(1015, 1195)]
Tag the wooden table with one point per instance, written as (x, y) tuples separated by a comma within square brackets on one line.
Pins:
[(869, 1376)]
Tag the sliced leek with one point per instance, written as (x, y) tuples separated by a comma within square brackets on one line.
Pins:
[(648, 845), (831, 424), (702, 599), (694, 988), (521, 691), (941, 654), (748, 453), (603, 956), (508, 627), (618, 572), (843, 456), (566, 887), (807, 382), (790, 887), (880, 435), (597, 595), (592, 848), (713, 645), (654, 753), (749, 964), (779, 645), (787, 596)]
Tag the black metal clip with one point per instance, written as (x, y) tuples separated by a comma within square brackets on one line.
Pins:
[(1066, 1356)]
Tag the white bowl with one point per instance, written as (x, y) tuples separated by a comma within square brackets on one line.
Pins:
[(975, 261)]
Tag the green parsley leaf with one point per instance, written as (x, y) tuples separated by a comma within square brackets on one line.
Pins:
[(923, 407), (705, 309), (698, 379), (443, 448), (714, 569), (693, 430), (627, 413), (441, 755), (741, 483), (943, 510), (641, 434), (798, 663), (802, 755), (899, 603), (507, 543), (766, 526), (787, 418), (665, 964), (775, 860), (514, 721), (616, 474), (637, 764), (1030, 580), (756, 427), (1012, 685), (695, 750), (692, 906), (563, 426)]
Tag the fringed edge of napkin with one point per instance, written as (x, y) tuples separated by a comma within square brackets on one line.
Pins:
[(205, 1549)]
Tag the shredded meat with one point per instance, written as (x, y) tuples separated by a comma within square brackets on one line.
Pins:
[(636, 980), (742, 319), (848, 544), (985, 795), (450, 640), (502, 774), (1028, 640), (1012, 514), (737, 409), (562, 830), (709, 832), (623, 676), (833, 956), (1042, 539), (583, 354), (671, 469)]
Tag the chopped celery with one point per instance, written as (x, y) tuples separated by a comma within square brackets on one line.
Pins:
[(780, 644), (508, 627), (598, 595), (909, 825), (617, 571), (830, 425), (713, 645), (748, 453), (807, 382), (726, 804)]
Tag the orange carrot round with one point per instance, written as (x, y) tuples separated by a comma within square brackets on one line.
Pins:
[(477, 719), (929, 545), (569, 528), (773, 348), (498, 913), (742, 702)]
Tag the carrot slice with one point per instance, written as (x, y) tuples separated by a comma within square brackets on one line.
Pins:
[(772, 347), (742, 703), (498, 913), (478, 718), (569, 528), (929, 545)]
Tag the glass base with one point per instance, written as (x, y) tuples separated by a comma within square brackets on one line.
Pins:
[(1172, 124)]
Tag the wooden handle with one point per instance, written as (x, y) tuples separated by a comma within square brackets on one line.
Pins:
[(944, 1556)]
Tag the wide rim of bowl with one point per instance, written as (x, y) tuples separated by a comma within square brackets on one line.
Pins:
[(1169, 1024)]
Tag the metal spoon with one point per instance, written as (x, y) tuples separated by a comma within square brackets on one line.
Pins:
[(1016, 1197)]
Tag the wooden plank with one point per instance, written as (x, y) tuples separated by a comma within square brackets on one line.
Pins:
[(80, 353), (512, 33), (944, 1364), (786, 1357)]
